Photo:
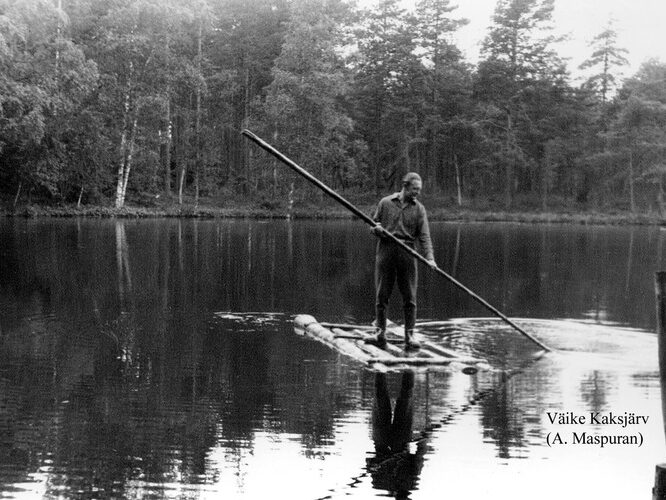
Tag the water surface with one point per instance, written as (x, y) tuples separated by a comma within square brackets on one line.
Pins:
[(156, 359)]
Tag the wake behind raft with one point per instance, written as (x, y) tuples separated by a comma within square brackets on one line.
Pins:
[(350, 341)]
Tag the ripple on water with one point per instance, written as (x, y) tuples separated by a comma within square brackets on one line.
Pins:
[(252, 320), (504, 346), (316, 414)]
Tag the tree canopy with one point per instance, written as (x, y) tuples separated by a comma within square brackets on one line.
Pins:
[(102, 101)]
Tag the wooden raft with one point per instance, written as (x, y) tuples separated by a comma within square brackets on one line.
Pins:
[(350, 341)]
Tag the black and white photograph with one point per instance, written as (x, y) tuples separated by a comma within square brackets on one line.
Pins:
[(332, 249)]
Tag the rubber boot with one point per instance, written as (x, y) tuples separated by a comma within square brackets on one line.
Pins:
[(410, 341), (378, 339)]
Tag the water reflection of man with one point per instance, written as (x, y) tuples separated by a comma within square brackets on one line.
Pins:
[(393, 467)]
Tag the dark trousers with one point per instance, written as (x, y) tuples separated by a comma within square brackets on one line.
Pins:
[(394, 264)]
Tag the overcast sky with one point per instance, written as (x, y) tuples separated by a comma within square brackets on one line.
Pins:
[(640, 24)]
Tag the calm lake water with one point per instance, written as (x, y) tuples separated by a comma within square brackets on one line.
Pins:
[(157, 359)]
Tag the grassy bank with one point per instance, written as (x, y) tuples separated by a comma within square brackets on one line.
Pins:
[(438, 210)]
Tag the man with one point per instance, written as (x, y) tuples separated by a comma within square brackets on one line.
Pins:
[(402, 215)]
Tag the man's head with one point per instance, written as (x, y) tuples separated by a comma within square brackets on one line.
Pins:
[(411, 186)]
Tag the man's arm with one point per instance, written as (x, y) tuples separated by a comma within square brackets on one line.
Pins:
[(424, 238), (377, 229), (378, 212)]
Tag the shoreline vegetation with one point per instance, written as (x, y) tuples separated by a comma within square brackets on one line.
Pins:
[(324, 209), (143, 102)]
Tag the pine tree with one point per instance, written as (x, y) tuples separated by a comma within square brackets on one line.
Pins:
[(518, 69), (388, 74), (446, 99), (248, 38), (638, 132), (606, 59), (304, 103)]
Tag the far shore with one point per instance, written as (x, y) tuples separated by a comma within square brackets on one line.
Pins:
[(325, 210)]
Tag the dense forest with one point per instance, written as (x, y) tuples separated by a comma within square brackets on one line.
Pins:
[(103, 101)]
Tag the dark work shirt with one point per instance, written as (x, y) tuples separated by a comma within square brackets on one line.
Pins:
[(406, 221)]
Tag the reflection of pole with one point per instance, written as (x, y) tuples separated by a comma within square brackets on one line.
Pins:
[(422, 442), (659, 490)]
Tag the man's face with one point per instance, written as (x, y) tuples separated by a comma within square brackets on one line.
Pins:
[(413, 190)]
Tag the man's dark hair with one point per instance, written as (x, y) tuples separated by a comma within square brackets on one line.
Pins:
[(408, 178)]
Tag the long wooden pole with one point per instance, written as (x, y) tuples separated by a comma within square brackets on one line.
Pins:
[(368, 220)]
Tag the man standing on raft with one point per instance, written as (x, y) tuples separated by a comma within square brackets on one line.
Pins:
[(402, 215)]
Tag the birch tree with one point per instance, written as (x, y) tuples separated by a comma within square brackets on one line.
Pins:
[(45, 80), (134, 52)]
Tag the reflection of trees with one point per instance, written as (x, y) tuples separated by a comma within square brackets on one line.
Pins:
[(548, 271), (122, 261), (523, 388), (130, 380), (543, 271), (502, 420), (594, 389), (111, 355), (446, 397)]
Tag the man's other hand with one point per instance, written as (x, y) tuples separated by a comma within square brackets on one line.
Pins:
[(378, 230)]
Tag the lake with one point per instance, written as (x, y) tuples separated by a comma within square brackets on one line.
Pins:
[(157, 359)]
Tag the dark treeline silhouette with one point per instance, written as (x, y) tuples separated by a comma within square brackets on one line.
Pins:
[(101, 101)]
